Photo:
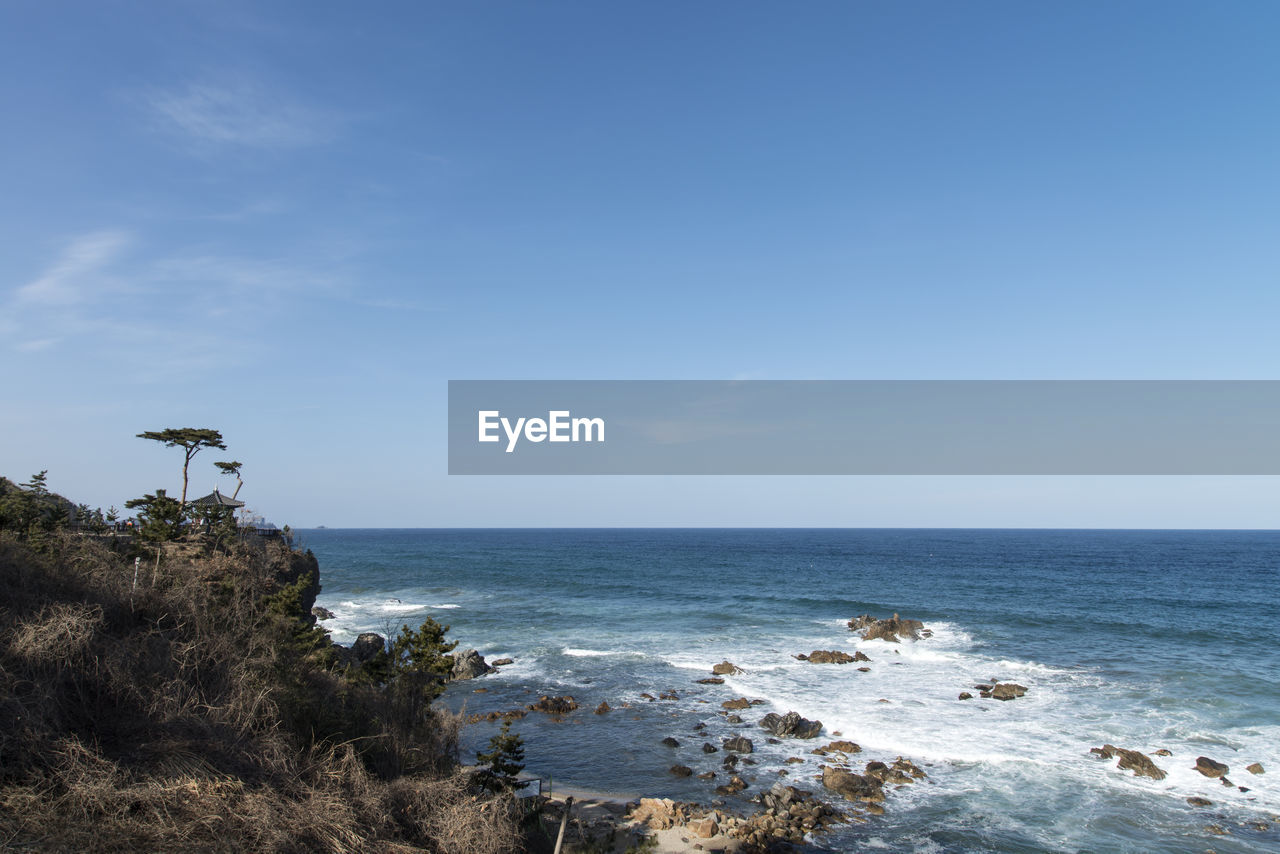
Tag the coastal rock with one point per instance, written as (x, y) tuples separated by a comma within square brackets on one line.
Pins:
[(1255, 768), (736, 784), (1162, 752), (827, 656), (368, 645), (668, 695), (733, 719), (725, 668), (321, 613), (890, 630), (704, 828), (710, 680), (503, 662), (739, 744), (708, 747), (735, 705), (1210, 768), (603, 708), (842, 747), (852, 787), (554, 705), (1131, 760), (1199, 802), (790, 725), (965, 695), (469, 665), (707, 775), (657, 813), (1007, 691), (681, 770), (670, 742)]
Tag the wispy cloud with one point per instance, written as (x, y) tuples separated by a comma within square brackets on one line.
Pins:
[(78, 268), (117, 310), (240, 112)]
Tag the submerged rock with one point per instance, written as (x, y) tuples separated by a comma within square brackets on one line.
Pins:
[(790, 725)]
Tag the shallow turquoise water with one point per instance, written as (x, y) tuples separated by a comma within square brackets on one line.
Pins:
[(1144, 639)]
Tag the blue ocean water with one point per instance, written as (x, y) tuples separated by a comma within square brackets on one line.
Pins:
[(1141, 639)]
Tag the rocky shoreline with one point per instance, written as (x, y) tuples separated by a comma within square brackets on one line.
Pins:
[(743, 812)]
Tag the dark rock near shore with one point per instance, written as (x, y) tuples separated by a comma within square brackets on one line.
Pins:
[(1255, 768), (827, 656), (321, 613), (733, 719), (670, 742), (710, 680), (603, 708), (681, 770), (734, 705), (554, 705), (841, 747), (708, 747), (367, 646), (851, 786), (1131, 760), (1210, 768), (965, 695), (739, 744), (1199, 802), (503, 662), (725, 668), (1007, 691), (469, 665), (891, 629), (736, 784), (790, 725)]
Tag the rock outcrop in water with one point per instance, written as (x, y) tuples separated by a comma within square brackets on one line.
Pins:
[(554, 705), (790, 725), (1210, 768), (831, 656), (892, 629), (1131, 760), (726, 668), (367, 646), (469, 665), (851, 786)]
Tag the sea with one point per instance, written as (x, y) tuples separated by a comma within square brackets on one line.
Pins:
[(1146, 640)]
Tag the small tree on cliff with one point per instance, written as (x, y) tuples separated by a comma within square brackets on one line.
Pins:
[(232, 468), (422, 659), (191, 440), (159, 516), (503, 762)]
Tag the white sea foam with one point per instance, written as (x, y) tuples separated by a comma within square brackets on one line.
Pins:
[(590, 653)]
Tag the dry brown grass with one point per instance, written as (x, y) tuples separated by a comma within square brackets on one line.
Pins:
[(191, 714)]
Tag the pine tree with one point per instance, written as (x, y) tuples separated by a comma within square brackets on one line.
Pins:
[(502, 763)]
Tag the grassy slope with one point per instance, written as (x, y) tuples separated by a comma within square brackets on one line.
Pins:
[(203, 711)]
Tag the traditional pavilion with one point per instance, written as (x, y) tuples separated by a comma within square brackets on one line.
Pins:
[(216, 499)]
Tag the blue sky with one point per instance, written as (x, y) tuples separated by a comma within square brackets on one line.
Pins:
[(294, 222)]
